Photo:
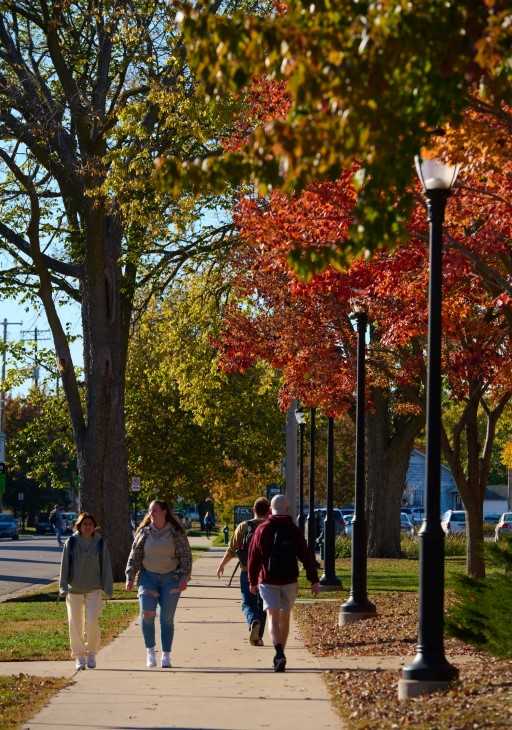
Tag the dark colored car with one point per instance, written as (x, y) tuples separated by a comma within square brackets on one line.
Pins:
[(339, 522), (9, 527), (43, 526)]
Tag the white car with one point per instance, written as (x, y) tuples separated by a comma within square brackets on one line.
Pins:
[(406, 525), (453, 521), (348, 514), (504, 526)]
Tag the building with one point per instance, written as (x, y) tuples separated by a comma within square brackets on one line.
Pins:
[(496, 496)]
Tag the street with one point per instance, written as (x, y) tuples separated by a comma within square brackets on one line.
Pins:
[(27, 562)]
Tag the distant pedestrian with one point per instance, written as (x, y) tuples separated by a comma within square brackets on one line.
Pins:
[(85, 572), (209, 523), (161, 562), (252, 604), (273, 570), (57, 521)]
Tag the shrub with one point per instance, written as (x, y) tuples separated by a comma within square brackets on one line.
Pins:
[(455, 545), (343, 546), (481, 611)]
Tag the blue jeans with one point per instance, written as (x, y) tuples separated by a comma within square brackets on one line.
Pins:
[(252, 605), (58, 532), (158, 589)]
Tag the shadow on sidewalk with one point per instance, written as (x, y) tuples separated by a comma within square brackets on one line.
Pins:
[(222, 670)]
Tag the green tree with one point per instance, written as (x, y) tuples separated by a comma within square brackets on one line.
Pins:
[(40, 445), (90, 94), (368, 82), (193, 430)]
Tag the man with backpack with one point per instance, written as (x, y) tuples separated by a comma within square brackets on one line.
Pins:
[(252, 605), (273, 570)]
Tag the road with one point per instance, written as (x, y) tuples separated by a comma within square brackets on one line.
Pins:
[(28, 562)]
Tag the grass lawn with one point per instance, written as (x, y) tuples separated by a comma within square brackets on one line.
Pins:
[(383, 575), (35, 627), (22, 696)]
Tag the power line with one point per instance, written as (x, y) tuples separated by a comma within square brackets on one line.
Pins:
[(36, 339), (6, 324)]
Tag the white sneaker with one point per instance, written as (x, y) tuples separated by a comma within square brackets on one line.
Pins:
[(166, 660), (91, 661), (80, 663), (151, 657)]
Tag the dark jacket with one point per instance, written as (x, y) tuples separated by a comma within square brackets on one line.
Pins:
[(261, 547)]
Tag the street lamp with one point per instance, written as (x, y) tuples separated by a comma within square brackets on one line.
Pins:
[(430, 670), (311, 517), (358, 606), (301, 420), (329, 577)]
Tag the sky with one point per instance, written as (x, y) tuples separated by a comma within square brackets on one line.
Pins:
[(30, 317)]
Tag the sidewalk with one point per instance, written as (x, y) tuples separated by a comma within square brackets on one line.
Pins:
[(218, 681)]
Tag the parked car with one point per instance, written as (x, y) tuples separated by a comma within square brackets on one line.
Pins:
[(417, 516), (453, 521), (339, 522), (69, 521), (9, 526), (504, 526), (348, 514), (492, 519), (42, 525), (406, 525), (184, 519)]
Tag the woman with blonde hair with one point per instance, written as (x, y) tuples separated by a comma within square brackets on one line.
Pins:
[(160, 562), (85, 572)]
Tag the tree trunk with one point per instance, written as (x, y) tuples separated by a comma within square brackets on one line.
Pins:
[(388, 461), (475, 562), (102, 453)]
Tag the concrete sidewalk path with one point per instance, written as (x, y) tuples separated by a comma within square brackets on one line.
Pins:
[(218, 681)]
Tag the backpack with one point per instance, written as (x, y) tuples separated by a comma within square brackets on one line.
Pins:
[(72, 544), (243, 550), (282, 563)]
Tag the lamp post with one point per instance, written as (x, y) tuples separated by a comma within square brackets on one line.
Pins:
[(301, 420), (311, 517), (430, 670), (358, 606), (329, 577)]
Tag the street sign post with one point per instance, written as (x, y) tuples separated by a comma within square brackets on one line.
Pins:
[(241, 513)]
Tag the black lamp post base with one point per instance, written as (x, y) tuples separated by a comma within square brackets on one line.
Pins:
[(330, 581), (430, 668), (353, 611), (408, 688)]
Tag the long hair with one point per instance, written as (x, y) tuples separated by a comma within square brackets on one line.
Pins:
[(85, 516), (169, 517)]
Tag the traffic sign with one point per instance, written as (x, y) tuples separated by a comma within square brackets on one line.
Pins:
[(241, 513), (135, 484)]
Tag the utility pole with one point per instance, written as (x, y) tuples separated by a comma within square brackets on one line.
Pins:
[(6, 324), (36, 339)]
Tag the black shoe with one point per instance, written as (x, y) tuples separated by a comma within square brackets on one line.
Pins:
[(254, 633), (279, 663)]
